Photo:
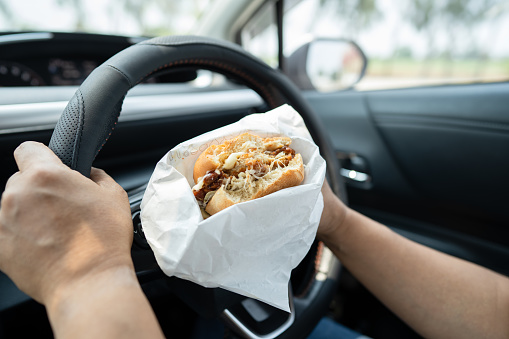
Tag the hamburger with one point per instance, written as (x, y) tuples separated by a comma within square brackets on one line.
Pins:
[(245, 168)]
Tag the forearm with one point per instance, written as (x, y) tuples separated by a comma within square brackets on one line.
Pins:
[(436, 294), (110, 304)]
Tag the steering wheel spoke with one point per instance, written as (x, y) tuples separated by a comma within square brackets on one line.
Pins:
[(254, 319)]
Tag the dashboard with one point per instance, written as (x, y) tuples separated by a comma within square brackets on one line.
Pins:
[(50, 72), (62, 59)]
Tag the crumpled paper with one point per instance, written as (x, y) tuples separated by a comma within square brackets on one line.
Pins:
[(249, 248)]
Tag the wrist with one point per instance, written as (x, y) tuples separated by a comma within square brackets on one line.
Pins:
[(109, 303), (83, 284), (333, 221)]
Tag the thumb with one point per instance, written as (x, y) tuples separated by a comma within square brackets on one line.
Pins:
[(31, 153)]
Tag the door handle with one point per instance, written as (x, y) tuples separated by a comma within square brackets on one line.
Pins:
[(355, 170)]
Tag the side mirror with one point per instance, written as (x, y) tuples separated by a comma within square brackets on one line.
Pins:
[(326, 65)]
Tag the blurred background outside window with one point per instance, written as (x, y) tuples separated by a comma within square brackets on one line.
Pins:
[(407, 43), (122, 17)]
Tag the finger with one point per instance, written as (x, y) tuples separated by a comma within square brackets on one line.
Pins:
[(32, 153), (11, 180), (101, 178)]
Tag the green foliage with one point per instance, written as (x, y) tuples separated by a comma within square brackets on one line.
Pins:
[(424, 13), (354, 15), (439, 68)]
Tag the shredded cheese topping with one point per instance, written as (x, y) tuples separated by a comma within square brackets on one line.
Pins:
[(232, 160), (242, 166)]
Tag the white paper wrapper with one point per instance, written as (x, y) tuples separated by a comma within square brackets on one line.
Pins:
[(249, 248)]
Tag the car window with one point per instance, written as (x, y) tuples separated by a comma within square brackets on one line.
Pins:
[(121, 17), (130, 18), (259, 35), (408, 44)]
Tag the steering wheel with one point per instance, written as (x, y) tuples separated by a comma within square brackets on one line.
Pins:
[(90, 118)]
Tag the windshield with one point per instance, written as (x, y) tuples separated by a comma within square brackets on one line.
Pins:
[(118, 17)]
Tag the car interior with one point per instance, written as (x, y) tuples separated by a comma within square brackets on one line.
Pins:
[(428, 161)]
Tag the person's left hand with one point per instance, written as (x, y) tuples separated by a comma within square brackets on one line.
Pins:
[(57, 226), (333, 215)]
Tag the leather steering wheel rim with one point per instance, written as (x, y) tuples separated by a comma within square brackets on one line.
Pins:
[(92, 113)]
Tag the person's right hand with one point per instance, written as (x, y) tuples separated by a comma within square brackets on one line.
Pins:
[(57, 226)]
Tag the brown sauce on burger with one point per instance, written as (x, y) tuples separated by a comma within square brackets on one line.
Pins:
[(211, 182)]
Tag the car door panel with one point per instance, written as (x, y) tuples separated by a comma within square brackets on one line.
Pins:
[(346, 116), (437, 158), (450, 141)]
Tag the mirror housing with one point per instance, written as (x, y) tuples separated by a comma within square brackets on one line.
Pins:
[(326, 65)]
